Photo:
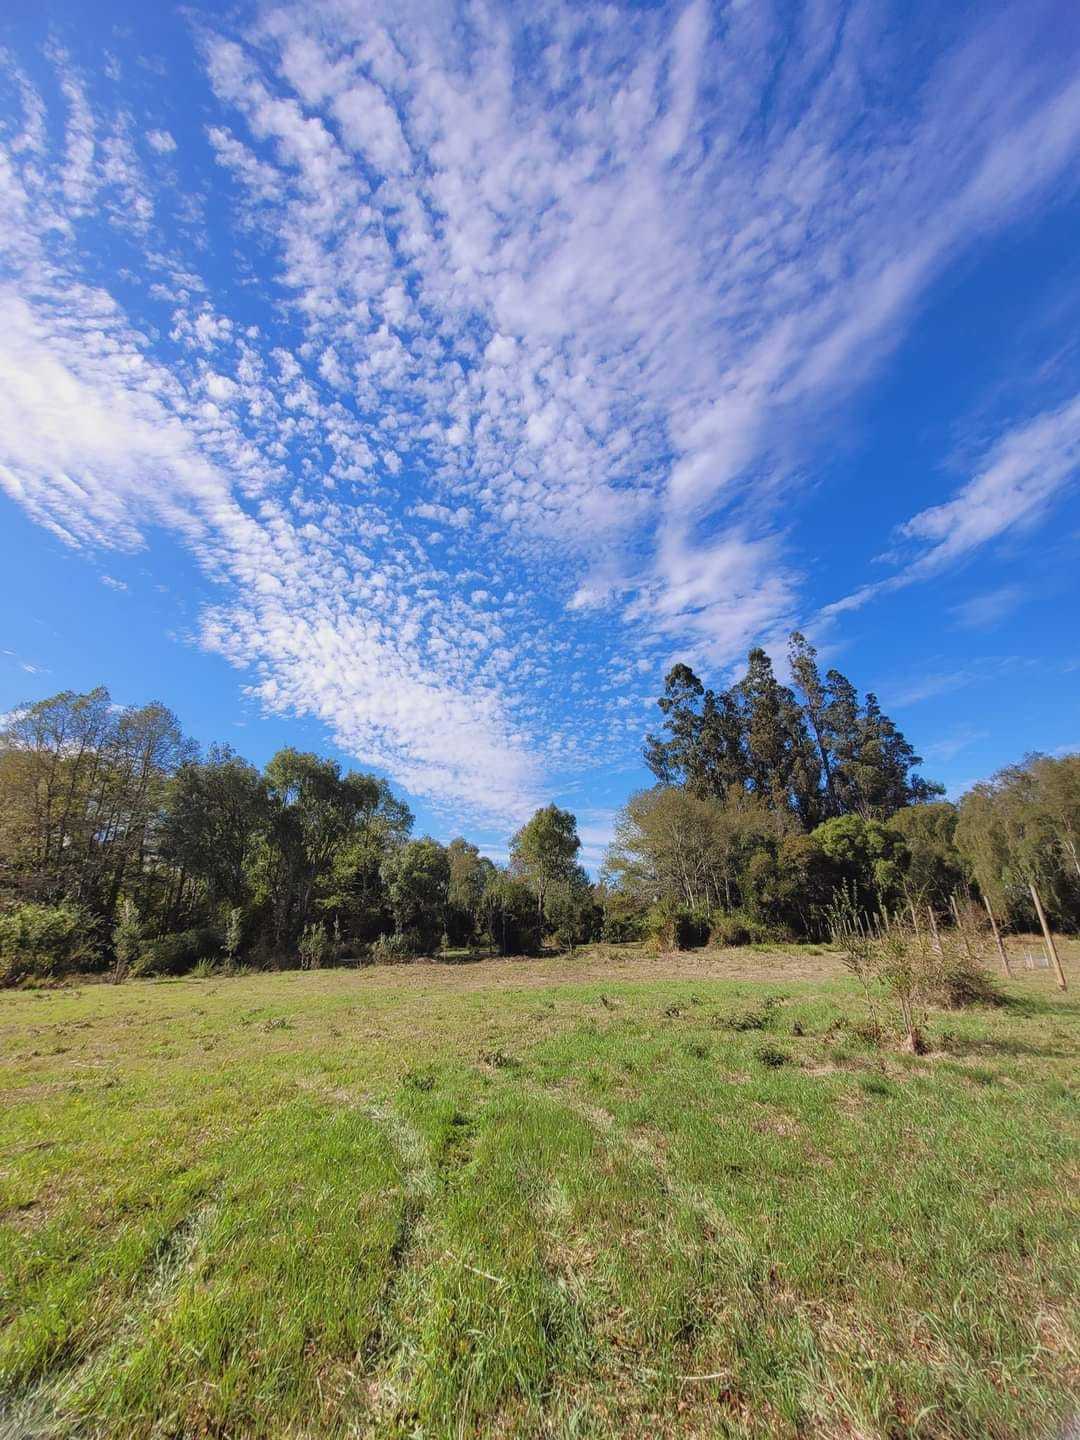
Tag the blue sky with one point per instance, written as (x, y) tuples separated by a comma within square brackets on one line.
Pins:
[(416, 383)]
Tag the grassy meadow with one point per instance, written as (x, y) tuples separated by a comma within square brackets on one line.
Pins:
[(589, 1196)]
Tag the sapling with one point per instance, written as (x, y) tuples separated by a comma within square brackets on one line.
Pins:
[(126, 937), (234, 932)]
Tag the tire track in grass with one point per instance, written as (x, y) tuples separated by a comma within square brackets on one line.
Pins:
[(641, 1148), (376, 1361), (40, 1409), (418, 1189), (718, 1229)]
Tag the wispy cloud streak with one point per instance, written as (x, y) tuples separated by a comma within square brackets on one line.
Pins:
[(516, 330)]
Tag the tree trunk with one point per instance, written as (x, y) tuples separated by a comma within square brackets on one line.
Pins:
[(963, 933), (997, 938), (915, 919), (934, 929), (1050, 946)]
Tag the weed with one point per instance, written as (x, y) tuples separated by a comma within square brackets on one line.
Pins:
[(772, 1057)]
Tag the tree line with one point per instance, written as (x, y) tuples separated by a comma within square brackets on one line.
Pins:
[(122, 847), (771, 800)]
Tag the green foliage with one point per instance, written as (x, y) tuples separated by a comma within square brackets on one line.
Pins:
[(544, 851), (81, 788), (46, 942), (509, 915), (1022, 827), (866, 855), (823, 755), (315, 947), (914, 967), (233, 935), (624, 915), (314, 811), (675, 927), (935, 867), (390, 949), (470, 874), (574, 916), (787, 887), (674, 845), (177, 953), (126, 936), (737, 927), (417, 880), (216, 817)]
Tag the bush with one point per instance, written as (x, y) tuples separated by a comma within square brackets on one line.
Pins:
[(175, 954), (126, 937), (963, 981), (233, 936), (389, 949), (574, 919), (735, 927), (624, 919), (508, 913), (675, 927), (314, 947), (47, 942)]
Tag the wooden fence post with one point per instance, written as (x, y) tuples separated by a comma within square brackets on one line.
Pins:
[(1051, 947)]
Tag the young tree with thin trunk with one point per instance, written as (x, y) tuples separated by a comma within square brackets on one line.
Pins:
[(544, 851)]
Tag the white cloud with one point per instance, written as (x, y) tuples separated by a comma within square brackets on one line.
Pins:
[(98, 445), (981, 612), (1024, 473), (575, 306), (945, 750), (1021, 476)]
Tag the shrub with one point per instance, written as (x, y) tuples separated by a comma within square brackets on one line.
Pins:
[(575, 919), (915, 967), (389, 949), (175, 954), (675, 927), (961, 981), (314, 946), (234, 932), (624, 919), (508, 913), (736, 927), (126, 937), (46, 942)]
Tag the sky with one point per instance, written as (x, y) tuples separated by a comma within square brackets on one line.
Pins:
[(416, 382)]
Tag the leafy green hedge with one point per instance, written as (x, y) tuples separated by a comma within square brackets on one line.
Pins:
[(47, 942), (176, 953)]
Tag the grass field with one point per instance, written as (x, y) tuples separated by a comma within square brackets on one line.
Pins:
[(597, 1196)]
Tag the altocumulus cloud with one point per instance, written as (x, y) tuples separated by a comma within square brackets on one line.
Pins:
[(518, 327)]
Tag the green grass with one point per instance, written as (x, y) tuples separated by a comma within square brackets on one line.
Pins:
[(590, 1197)]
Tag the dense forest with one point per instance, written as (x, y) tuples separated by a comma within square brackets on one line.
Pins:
[(124, 849)]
